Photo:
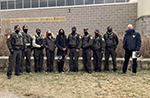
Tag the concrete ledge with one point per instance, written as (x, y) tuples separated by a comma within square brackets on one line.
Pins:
[(143, 63)]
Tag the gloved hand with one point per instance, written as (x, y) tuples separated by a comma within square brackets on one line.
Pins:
[(115, 47), (50, 50), (42, 46), (11, 51), (83, 46), (25, 50)]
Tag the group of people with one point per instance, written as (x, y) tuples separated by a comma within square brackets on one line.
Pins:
[(21, 45)]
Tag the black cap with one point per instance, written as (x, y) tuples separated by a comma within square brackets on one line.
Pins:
[(24, 26), (16, 26), (38, 29), (96, 30), (109, 28), (74, 28), (85, 29)]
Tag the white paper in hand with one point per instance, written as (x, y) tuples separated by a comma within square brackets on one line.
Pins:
[(134, 55)]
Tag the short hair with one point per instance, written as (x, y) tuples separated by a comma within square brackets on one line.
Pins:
[(130, 25)]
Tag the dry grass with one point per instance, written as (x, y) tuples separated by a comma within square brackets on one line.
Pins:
[(78, 85)]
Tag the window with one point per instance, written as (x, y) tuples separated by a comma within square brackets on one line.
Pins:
[(51, 3), (43, 3), (69, 2), (79, 2), (3, 5), (99, 1), (60, 2), (26, 3), (120, 0), (35, 3), (109, 1), (88, 1), (18, 4), (10, 4)]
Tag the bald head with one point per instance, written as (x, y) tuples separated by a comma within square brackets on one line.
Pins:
[(130, 26)]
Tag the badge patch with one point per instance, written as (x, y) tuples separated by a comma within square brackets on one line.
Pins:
[(133, 35)]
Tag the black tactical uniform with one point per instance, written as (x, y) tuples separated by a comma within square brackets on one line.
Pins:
[(27, 53), (98, 50), (50, 45), (16, 45), (111, 41), (87, 41), (38, 51), (74, 44)]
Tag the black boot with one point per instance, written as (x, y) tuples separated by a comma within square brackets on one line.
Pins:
[(62, 66), (59, 66)]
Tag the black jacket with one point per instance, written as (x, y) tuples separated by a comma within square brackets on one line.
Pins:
[(49, 44), (132, 41), (61, 43)]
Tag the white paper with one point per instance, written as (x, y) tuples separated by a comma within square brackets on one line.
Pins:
[(134, 54)]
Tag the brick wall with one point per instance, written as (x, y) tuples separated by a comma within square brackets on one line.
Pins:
[(93, 17), (143, 25)]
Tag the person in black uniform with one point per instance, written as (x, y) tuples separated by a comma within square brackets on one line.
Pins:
[(15, 45), (74, 44), (87, 41), (111, 41), (27, 53), (62, 44), (37, 44), (131, 43), (98, 50), (50, 45)]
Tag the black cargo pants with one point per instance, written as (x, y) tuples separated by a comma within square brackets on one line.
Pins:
[(14, 59), (38, 60), (73, 62), (86, 54), (97, 59), (110, 51), (27, 54)]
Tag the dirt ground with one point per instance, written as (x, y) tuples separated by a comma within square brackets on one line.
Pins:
[(78, 85)]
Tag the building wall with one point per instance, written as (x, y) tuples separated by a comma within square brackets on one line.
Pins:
[(93, 17), (143, 24), (143, 8)]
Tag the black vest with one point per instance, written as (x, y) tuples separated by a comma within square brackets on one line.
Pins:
[(73, 40), (39, 39), (110, 39), (96, 44), (85, 39), (17, 40)]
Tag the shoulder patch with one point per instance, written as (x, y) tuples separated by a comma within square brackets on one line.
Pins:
[(8, 36), (102, 39), (80, 37), (20, 34)]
